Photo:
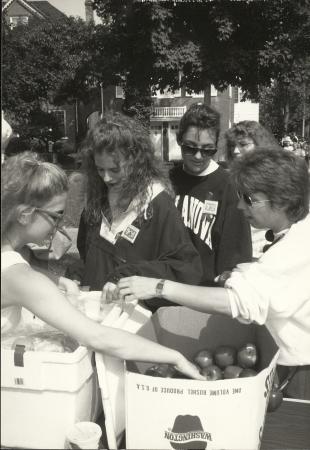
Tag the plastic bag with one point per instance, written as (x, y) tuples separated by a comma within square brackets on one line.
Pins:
[(45, 340)]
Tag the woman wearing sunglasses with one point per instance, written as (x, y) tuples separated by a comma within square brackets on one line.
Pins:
[(33, 199), (273, 186), (206, 198)]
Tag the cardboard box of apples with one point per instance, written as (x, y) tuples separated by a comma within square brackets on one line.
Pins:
[(227, 410)]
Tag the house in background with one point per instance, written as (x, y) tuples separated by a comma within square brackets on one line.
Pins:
[(25, 12), (168, 108)]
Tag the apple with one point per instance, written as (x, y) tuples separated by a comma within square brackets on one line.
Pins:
[(275, 399), (225, 355), (247, 356), (247, 373), (212, 373), (203, 358), (161, 370), (232, 371)]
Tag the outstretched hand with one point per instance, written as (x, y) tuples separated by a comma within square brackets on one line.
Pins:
[(189, 369), (137, 288)]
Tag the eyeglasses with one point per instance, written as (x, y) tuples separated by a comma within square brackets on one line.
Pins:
[(205, 152), (55, 216), (248, 199)]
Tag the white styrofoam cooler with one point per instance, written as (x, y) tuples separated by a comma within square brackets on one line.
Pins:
[(52, 391), (43, 399)]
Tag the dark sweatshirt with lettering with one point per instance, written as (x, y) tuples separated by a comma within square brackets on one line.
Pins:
[(219, 231), (161, 249)]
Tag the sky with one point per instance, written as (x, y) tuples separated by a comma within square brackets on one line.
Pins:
[(70, 7)]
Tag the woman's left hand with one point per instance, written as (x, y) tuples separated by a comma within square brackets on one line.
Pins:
[(137, 288)]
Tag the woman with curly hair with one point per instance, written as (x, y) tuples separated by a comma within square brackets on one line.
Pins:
[(240, 139), (245, 136), (130, 225)]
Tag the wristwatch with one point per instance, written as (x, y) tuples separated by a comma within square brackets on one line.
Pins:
[(159, 288)]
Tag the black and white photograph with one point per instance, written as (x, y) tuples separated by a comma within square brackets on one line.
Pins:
[(155, 225)]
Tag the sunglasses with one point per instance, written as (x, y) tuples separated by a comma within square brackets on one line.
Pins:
[(248, 199), (205, 152), (55, 216)]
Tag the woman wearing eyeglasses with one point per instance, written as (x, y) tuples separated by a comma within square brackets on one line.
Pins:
[(206, 198), (130, 225), (33, 198), (275, 290)]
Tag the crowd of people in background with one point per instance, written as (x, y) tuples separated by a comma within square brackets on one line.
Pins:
[(297, 145), (196, 236)]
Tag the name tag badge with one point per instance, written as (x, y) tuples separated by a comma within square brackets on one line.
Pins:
[(130, 233), (210, 207)]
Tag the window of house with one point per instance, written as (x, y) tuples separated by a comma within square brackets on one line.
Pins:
[(119, 92), (60, 115), (18, 20), (201, 94), (213, 91), (194, 94), (167, 93)]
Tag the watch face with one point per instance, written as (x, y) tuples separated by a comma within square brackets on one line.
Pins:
[(159, 287)]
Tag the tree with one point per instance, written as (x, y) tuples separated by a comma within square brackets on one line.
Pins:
[(54, 65), (249, 44)]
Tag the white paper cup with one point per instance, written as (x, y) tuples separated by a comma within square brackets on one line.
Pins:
[(84, 435)]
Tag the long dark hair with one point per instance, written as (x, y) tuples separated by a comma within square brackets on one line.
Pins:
[(121, 136)]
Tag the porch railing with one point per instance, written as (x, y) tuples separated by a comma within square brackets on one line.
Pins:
[(159, 112)]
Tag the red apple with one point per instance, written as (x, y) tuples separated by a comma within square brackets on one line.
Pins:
[(232, 371), (247, 373), (203, 358), (161, 370), (275, 400), (247, 356), (212, 373), (225, 355)]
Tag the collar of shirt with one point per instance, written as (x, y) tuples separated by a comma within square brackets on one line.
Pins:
[(211, 168), (110, 231)]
